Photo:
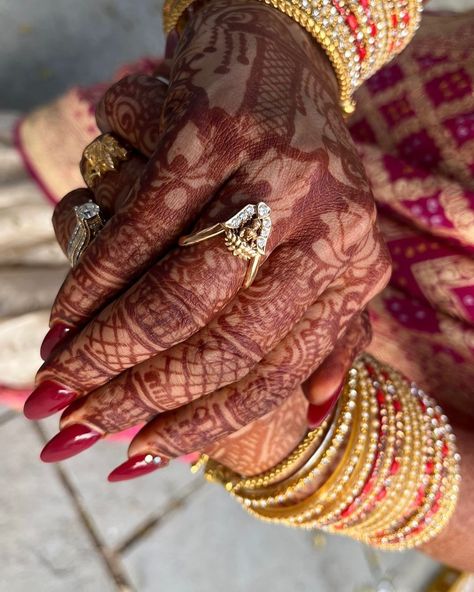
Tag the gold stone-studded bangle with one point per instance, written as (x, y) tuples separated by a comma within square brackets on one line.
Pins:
[(392, 475), (358, 36)]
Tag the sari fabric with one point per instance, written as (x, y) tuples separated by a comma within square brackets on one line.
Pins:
[(414, 127)]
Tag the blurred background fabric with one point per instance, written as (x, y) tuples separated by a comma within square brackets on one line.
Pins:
[(64, 527)]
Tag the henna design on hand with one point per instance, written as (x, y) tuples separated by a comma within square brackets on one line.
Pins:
[(251, 113)]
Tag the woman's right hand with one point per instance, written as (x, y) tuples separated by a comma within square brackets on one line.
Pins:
[(251, 114)]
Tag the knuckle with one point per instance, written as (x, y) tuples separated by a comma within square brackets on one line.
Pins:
[(122, 88), (262, 395), (63, 208), (129, 103)]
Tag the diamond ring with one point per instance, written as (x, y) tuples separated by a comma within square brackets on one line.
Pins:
[(89, 222), (245, 235)]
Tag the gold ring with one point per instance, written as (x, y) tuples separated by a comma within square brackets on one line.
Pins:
[(245, 235), (102, 156), (89, 222)]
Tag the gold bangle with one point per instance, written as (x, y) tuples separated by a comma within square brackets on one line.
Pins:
[(358, 36), (319, 461), (400, 438), (215, 472)]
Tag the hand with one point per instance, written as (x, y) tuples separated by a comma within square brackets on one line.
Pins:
[(251, 114)]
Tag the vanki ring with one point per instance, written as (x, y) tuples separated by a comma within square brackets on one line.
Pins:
[(88, 224), (102, 156), (245, 235)]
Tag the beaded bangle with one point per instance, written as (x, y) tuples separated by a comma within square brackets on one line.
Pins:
[(395, 485), (316, 465), (358, 36), (234, 483), (376, 462)]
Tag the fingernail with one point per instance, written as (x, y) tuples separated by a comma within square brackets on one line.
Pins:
[(318, 413), (171, 43), (47, 398), (68, 442), (136, 466), (52, 339)]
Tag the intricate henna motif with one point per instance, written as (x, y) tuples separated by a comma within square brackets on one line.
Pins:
[(132, 109), (251, 114)]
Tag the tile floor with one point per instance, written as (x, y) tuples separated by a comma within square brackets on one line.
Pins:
[(65, 528)]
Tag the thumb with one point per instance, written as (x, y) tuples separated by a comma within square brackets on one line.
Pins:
[(324, 386)]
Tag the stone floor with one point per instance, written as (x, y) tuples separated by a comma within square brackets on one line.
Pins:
[(64, 527)]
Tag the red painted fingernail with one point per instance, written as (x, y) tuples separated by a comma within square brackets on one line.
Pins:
[(136, 466), (53, 338), (47, 398), (318, 413), (68, 442)]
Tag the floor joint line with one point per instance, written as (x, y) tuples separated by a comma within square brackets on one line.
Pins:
[(110, 557), (155, 521)]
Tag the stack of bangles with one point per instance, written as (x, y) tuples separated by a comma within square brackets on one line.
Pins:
[(383, 469), (358, 36)]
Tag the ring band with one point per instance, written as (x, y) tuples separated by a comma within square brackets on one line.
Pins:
[(102, 156), (245, 235), (89, 222)]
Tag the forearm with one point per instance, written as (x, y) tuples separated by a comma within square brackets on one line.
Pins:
[(455, 544)]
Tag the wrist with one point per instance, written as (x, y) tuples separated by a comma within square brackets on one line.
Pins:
[(264, 443), (305, 49)]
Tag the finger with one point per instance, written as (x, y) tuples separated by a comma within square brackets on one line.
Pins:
[(64, 216), (324, 386), (112, 191), (172, 301), (132, 108), (200, 423), (197, 425), (174, 187), (221, 353), (328, 378)]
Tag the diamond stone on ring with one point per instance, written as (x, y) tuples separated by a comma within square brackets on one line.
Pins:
[(88, 224)]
